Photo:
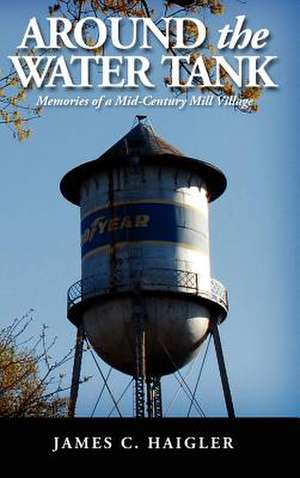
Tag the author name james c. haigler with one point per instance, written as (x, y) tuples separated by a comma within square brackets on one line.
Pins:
[(149, 442)]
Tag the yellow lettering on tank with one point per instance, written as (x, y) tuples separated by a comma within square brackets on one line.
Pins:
[(85, 236), (93, 228), (102, 223), (142, 220), (114, 224), (126, 222)]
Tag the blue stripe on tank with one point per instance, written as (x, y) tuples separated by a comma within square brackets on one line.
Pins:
[(142, 222)]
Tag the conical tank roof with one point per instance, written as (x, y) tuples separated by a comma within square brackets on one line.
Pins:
[(142, 142)]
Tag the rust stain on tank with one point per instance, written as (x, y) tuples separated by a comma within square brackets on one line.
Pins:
[(112, 251)]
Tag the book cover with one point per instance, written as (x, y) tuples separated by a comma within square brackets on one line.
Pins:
[(149, 205)]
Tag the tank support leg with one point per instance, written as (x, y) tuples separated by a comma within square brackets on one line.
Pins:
[(147, 388), (154, 400), (150, 397), (76, 371), (140, 368), (157, 397), (223, 372)]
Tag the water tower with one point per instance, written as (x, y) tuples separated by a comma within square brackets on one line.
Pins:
[(146, 300)]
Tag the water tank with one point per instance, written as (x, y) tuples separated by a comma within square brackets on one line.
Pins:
[(145, 252)]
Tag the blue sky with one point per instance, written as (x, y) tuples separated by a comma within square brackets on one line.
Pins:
[(254, 226)]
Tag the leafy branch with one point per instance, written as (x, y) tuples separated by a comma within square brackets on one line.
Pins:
[(31, 380)]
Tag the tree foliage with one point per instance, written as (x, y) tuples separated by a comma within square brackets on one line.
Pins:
[(14, 109), (15, 112), (30, 379)]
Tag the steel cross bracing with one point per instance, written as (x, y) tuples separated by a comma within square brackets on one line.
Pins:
[(140, 374), (154, 399), (158, 409)]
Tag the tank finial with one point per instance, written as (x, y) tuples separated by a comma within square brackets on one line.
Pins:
[(141, 118)]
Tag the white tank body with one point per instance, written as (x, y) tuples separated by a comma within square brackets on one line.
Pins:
[(145, 252), (175, 329)]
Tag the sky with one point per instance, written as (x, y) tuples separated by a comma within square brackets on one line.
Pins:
[(254, 225)]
